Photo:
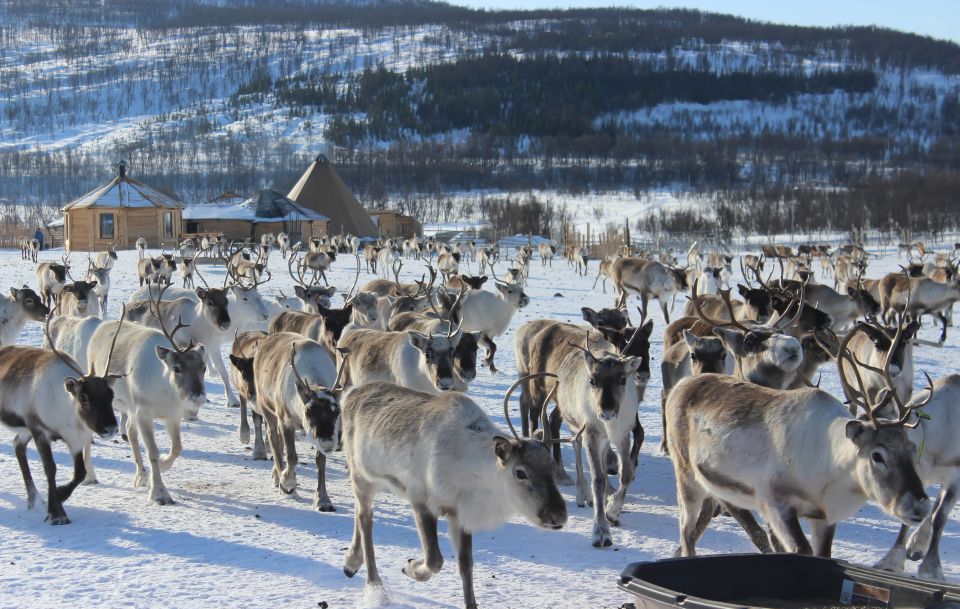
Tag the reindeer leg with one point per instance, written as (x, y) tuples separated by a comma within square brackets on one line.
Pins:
[(696, 511), (614, 504), (173, 430), (822, 533), (133, 436), (596, 448), (529, 412), (288, 475), (20, 447), (638, 436), (583, 494), (556, 420), (463, 542), (750, 525), (943, 320), (244, 425), (259, 448), (322, 501), (55, 512), (158, 492), (895, 557), (422, 569), (364, 518), (666, 312), (491, 351), (91, 477), (786, 526), (930, 568)]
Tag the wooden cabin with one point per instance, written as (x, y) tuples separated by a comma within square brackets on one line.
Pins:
[(392, 223), (266, 212), (118, 213)]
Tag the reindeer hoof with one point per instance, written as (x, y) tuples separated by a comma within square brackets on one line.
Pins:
[(90, 481), (164, 499), (58, 520), (602, 540), (244, 436), (323, 506)]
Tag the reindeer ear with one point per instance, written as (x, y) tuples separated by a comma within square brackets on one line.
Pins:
[(15, 293), (857, 432), (647, 328), (237, 361), (72, 385), (300, 292), (162, 353), (743, 290), (731, 339), (502, 447), (202, 293), (631, 365), (201, 351), (93, 284), (418, 340), (589, 316), (690, 338)]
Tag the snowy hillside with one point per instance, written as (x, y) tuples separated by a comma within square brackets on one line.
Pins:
[(232, 541)]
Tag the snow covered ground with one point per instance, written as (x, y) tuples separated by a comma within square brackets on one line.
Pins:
[(231, 541)]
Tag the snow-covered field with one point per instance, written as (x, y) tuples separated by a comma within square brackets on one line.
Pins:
[(231, 541)]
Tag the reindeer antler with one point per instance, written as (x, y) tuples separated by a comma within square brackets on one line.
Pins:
[(155, 311), (725, 295)]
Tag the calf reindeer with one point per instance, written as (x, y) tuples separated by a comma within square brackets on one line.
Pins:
[(421, 447), (48, 397), (100, 277), (23, 305), (157, 270), (490, 314), (297, 387)]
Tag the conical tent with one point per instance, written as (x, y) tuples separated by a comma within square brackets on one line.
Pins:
[(322, 190)]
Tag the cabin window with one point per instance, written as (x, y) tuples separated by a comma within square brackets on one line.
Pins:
[(168, 225), (106, 226)]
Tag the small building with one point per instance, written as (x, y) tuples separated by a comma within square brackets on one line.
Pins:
[(391, 223), (118, 213), (320, 189), (266, 212)]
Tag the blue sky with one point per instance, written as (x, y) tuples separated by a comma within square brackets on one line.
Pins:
[(937, 18)]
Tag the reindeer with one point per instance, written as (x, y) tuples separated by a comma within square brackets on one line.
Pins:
[(466, 282), (326, 327), (917, 296), (31, 250), (188, 267), (311, 295), (267, 241), (297, 387), (423, 362), (386, 258), (51, 278), (156, 270), (319, 263), (843, 309), (490, 314), (809, 458), (449, 264), (141, 245), (755, 306), (547, 252), (206, 321), (420, 446), (171, 391), (647, 279), (23, 305), (242, 356), (603, 272), (597, 397), (283, 242), (33, 407), (78, 299), (100, 277), (487, 257), (935, 432)]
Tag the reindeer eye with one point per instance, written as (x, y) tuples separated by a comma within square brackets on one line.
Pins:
[(520, 474), (877, 458), (694, 357), (176, 369), (593, 382), (623, 380)]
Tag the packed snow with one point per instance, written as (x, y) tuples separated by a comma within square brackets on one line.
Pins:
[(231, 540)]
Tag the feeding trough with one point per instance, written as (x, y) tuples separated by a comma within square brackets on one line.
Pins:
[(777, 581)]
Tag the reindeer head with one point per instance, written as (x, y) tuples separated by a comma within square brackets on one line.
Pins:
[(707, 353), (465, 356), (615, 319), (244, 366), (314, 296), (185, 369), (529, 484), (867, 305), (334, 321), (31, 304), (757, 301), (365, 304), (319, 408), (513, 294), (81, 291), (215, 307), (438, 354)]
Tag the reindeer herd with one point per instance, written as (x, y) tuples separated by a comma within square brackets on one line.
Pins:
[(386, 379)]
